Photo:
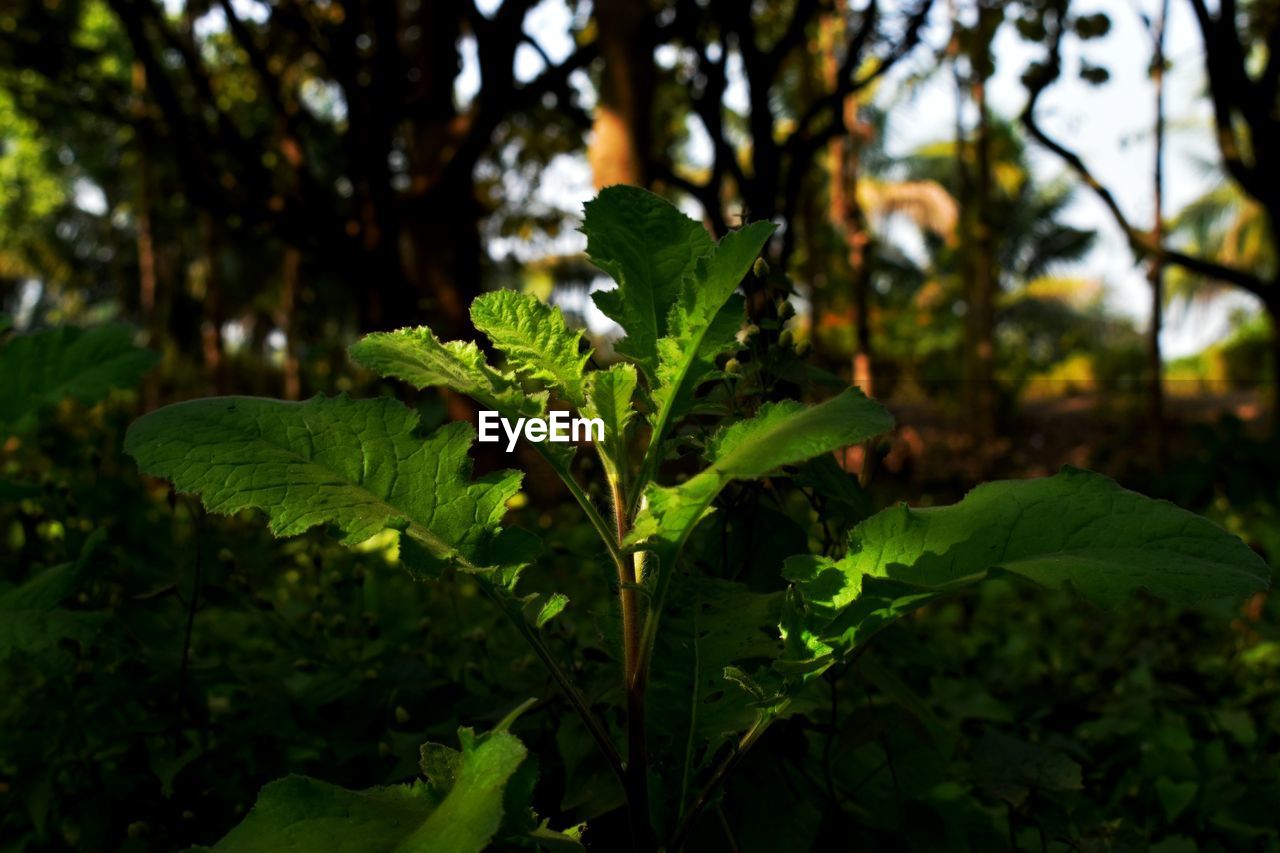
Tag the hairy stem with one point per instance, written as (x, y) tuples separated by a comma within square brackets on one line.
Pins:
[(637, 768), (593, 515)]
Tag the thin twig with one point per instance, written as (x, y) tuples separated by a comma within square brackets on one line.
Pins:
[(700, 803), (192, 605), (561, 678)]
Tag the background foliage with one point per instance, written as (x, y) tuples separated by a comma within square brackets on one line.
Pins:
[(251, 186)]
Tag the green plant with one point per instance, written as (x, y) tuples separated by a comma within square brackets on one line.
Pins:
[(43, 368), (709, 661)]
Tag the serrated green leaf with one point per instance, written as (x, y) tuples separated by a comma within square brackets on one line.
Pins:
[(609, 393), (553, 607), (42, 369), (359, 465), (439, 765), (1076, 529), (535, 340), (648, 247), (418, 357), (780, 434), (703, 323), (297, 813)]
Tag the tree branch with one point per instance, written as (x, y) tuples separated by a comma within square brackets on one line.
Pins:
[(1142, 243)]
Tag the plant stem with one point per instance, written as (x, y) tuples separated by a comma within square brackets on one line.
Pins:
[(637, 767), (700, 803), (593, 514), (561, 678)]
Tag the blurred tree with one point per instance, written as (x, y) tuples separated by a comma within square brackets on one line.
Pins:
[(1156, 266), (334, 129), (1222, 223), (1242, 63), (1031, 242), (867, 198), (622, 127), (760, 158), (977, 242)]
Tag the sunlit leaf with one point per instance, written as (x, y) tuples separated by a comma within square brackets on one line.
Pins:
[(463, 813), (704, 323), (648, 247), (416, 356), (609, 394), (535, 340), (359, 465), (1076, 529), (780, 434)]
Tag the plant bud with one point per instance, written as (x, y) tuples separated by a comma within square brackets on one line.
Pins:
[(785, 309), (732, 367), (785, 339), (760, 268)]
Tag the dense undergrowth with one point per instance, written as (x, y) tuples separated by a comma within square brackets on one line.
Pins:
[(164, 664)]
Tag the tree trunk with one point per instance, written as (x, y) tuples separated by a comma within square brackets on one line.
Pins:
[(981, 313), (290, 372), (438, 243), (621, 130), (441, 251), (1155, 273), (847, 215), (148, 275), (1272, 307), (213, 308)]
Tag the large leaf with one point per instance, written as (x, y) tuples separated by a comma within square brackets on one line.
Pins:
[(462, 813), (418, 357), (648, 247), (535, 340), (44, 368), (713, 631), (703, 323), (780, 434), (360, 465), (1076, 529)]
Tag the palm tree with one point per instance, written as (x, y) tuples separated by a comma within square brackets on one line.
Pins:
[(1030, 240), (1225, 224)]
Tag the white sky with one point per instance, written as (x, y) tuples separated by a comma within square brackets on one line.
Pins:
[(1109, 126)]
